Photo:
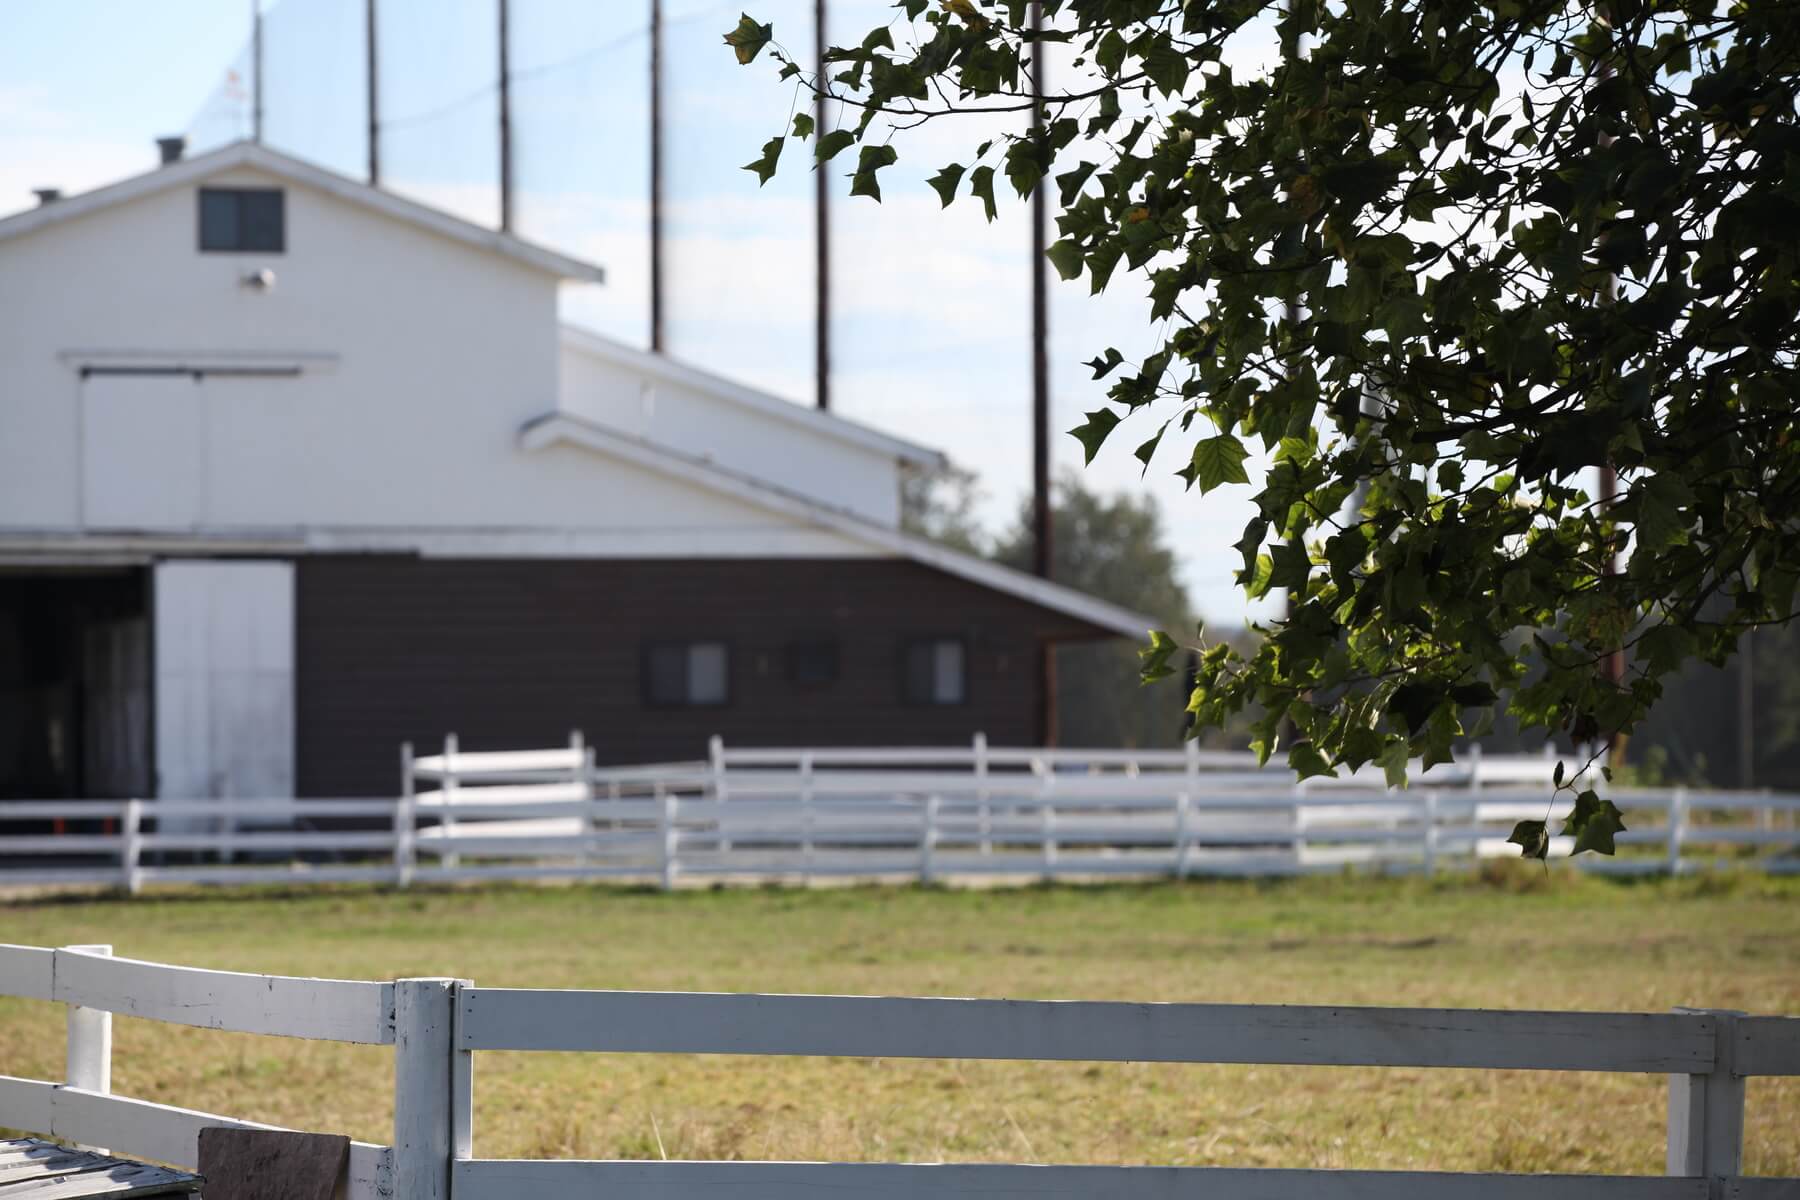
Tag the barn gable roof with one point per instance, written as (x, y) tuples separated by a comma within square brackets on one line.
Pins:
[(251, 154)]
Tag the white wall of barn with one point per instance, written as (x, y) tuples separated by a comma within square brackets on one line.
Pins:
[(419, 357), (675, 411)]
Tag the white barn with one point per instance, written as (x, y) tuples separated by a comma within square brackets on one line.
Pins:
[(292, 469)]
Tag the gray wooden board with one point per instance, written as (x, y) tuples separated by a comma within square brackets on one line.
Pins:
[(268, 1164), (503, 1179), (33, 1169), (895, 1027)]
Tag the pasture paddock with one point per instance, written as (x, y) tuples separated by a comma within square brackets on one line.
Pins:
[(1560, 942)]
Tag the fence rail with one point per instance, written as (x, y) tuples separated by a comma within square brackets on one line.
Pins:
[(437, 1025), (928, 813)]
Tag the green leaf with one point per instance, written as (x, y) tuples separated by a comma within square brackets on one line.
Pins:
[(1394, 759), (1306, 761), (748, 39), (1414, 702), (1153, 660), (1092, 433), (945, 181), (764, 167), (981, 183), (1219, 460), (1289, 567), (871, 160), (1532, 839), (827, 147), (1166, 66), (1250, 545), (1109, 55), (803, 125), (1065, 256), (1593, 822)]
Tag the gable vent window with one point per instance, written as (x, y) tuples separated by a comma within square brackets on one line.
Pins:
[(687, 674), (936, 672), (243, 220)]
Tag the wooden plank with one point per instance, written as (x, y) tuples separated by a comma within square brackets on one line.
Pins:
[(140, 1128), (291, 841), (264, 1164), (118, 1180), (276, 874), (49, 810), (27, 1104), (507, 1179), (339, 1010), (31, 1158), (61, 843), (368, 1173), (253, 812), (26, 971), (891, 1027), (1747, 1187), (1767, 1046)]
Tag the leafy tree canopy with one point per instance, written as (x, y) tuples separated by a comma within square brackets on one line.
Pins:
[(1441, 262)]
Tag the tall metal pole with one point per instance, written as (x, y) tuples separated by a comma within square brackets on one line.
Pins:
[(656, 178), (374, 60), (506, 148), (256, 71), (1040, 325), (821, 227), (1042, 519)]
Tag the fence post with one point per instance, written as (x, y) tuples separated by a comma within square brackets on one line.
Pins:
[(1431, 833), (928, 814), (1046, 817), (806, 815), (405, 828), (984, 810), (131, 846), (447, 790), (1182, 802), (1706, 1112), (1677, 827), (87, 1059), (1191, 768), (584, 775), (715, 754), (431, 1078), (228, 828), (665, 827)]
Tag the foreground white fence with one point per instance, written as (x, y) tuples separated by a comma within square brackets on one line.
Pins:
[(930, 814), (437, 1025)]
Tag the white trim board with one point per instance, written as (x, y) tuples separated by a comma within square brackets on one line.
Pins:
[(249, 154), (565, 429)]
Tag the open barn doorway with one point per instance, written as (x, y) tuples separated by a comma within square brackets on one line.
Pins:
[(74, 683)]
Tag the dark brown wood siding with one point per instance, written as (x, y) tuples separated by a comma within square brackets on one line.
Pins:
[(516, 653)]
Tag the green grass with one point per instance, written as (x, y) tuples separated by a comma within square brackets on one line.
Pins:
[(1517, 938)]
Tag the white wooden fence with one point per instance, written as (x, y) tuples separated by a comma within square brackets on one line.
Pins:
[(926, 813), (437, 1025)]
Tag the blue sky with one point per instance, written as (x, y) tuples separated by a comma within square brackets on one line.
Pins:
[(931, 321)]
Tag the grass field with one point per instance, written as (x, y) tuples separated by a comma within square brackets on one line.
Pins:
[(1519, 938)]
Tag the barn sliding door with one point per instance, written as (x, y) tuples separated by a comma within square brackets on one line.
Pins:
[(224, 649)]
